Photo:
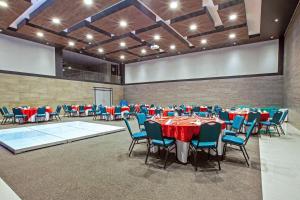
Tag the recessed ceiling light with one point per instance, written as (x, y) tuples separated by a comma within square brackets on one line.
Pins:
[(203, 48), (89, 36), (3, 4), (234, 43), (276, 20), (88, 2), (193, 27), (71, 43), (69, 67), (232, 35), (156, 37), (100, 50), (232, 17), (173, 5), (40, 34), (122, 44), (90, 43), (123, 23), (143, 51), (204, 41), (122, 57), (172, 47), (272, 37), (0, 30), (55, 20)]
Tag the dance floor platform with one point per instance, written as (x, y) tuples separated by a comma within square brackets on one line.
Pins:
[(19, 140)]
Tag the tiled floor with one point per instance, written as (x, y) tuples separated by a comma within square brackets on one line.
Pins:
[(280, 165)]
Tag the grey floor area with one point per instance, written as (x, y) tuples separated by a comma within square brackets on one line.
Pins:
[(99, 168)]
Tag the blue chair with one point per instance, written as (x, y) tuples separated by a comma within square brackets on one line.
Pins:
[(81, 110), (145, 111), (6, 116), (207, 139), (141, 118), (274, 122), (155, 138), (238, 141), (70, 111), (18, 115), (93, 111), (103, 113), (41, 114), (131, 110), (196, 110), (56, 113), (136, 137), (98, 112), (282, 119), (224, 115), (158, 111), (171, 114), (236, 126), (202, 114), (118, 114)]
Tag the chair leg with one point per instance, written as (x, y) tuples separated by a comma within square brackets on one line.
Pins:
[(148, 152), (195, 160), (132, 148), (281, 129), (166, 158), (130, 145), (218, 158), (277, 130), (246, 152), (208, 154), (268, 131), (244, 155)]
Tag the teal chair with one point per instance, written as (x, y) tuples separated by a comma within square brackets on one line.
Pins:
[(224, 115), (208, 138), (136, 137), (202, 114), (118, 114), (196, 110), (171, 114), (93, 111), (18, 115), (282, 119), (41, 114), (274, 122), (70, 111), (238, 141), (141, 118), (236, 125), (103, 113), (6, 116), (81, 110), (155, 138), (56, 113)]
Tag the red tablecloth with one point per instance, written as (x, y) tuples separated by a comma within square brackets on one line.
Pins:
[(263, 116), (166, 110), (182, 129), (203, 109), (188, 109), (29, 112), (125, 108), (111, 110), (151, 111), (86, 107)]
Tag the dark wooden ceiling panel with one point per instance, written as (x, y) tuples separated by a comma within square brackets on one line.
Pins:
[(133, 16), (127, 56), (220, 38), (11, 13), (203, 23), (82, 32), (49, 37), (69, 12), (166, 39), (217, 2), (162, 8), (138, 51), (238, 10)]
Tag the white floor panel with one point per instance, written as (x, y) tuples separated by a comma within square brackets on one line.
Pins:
[(281, 165), (6, 193)]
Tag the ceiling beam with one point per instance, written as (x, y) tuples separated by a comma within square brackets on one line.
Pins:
[(253, 15), (203, 11)]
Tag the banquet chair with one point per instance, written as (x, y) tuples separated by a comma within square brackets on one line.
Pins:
[(97, 112), (238, 141), (81, 110), (202, 114), (18, 115), (5, 110), (92, 112), (145, 111), (196, 110), (157, 111), (171, 114), (282, 119), (118, 114), (71, 112), (41, 114), (155, 138), (274, 122), (251, 117), (65, 108), (103, 113), (136, 137), (236, 125), (224, 115), (56, 113), (141, 118), (208, 138), (6, 116)]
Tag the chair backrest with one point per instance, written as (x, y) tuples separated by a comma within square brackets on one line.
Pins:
[(209, 132), (81, 108), (141, 118), (152, 106), (17, 111), (144, 110), (102, 109), (272, 112), (69, 107), (250, 130), (131, 108), (128, 127), (224, 115), (41, 110), (153, 130), (171, 113), (58, 109), (157, 111), (65, 107), (285, 113), (276, 118), (237, 122), (5, 110), (196, 109), (2, 112), (202, 114), (94, 107), (252, 116), (118, 109)]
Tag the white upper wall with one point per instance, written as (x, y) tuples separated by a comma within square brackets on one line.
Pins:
[(24, 56), (257, 58)]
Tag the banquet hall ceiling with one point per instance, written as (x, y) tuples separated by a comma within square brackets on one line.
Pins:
[(130, 30)]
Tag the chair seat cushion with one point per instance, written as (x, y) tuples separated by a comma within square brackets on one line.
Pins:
[(117, 113), (228, 122), (168, 142), (233, 139), (228, 132), (139, 135), (9, 115), (41, 115), (104, 113), (54, 113), (73, 111), (20, 116), (246, 123), (267, 123), (203, 144)]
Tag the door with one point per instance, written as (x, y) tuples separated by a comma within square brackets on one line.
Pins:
[(103, 96)]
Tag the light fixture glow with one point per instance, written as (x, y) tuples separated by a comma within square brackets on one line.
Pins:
[(89, 36), (276, 20), (123, 23), (156, 37), (193, 27), (3, 4), (172, 47), (122, 57), (55, 20), (143, 51), (232, 36), (88, 2), (122, 44), (233, 17), (173, 5), (272, 37), (204, 41), (40, 34), (71, 43), (100, 50)]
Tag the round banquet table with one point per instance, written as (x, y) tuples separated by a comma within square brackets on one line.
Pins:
[(31, 113), (111, 110), (87, 108), (183, 129)]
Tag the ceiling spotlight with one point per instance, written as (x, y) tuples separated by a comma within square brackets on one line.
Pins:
[(123, 23), (173, 5), (276, 20), (234, 43), (71, 43), (90, 43), (88, 2), (122, 57), (204, 41), (3, 4), (143, 51), (203, 48), (156, 37), (193, 27), (233, 17), (89, 36), (232, 36), (0, 30), (100, 50), (172, 47), (40, 34), (69, 67), (122, 44), (272, 37), (55, 20)]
